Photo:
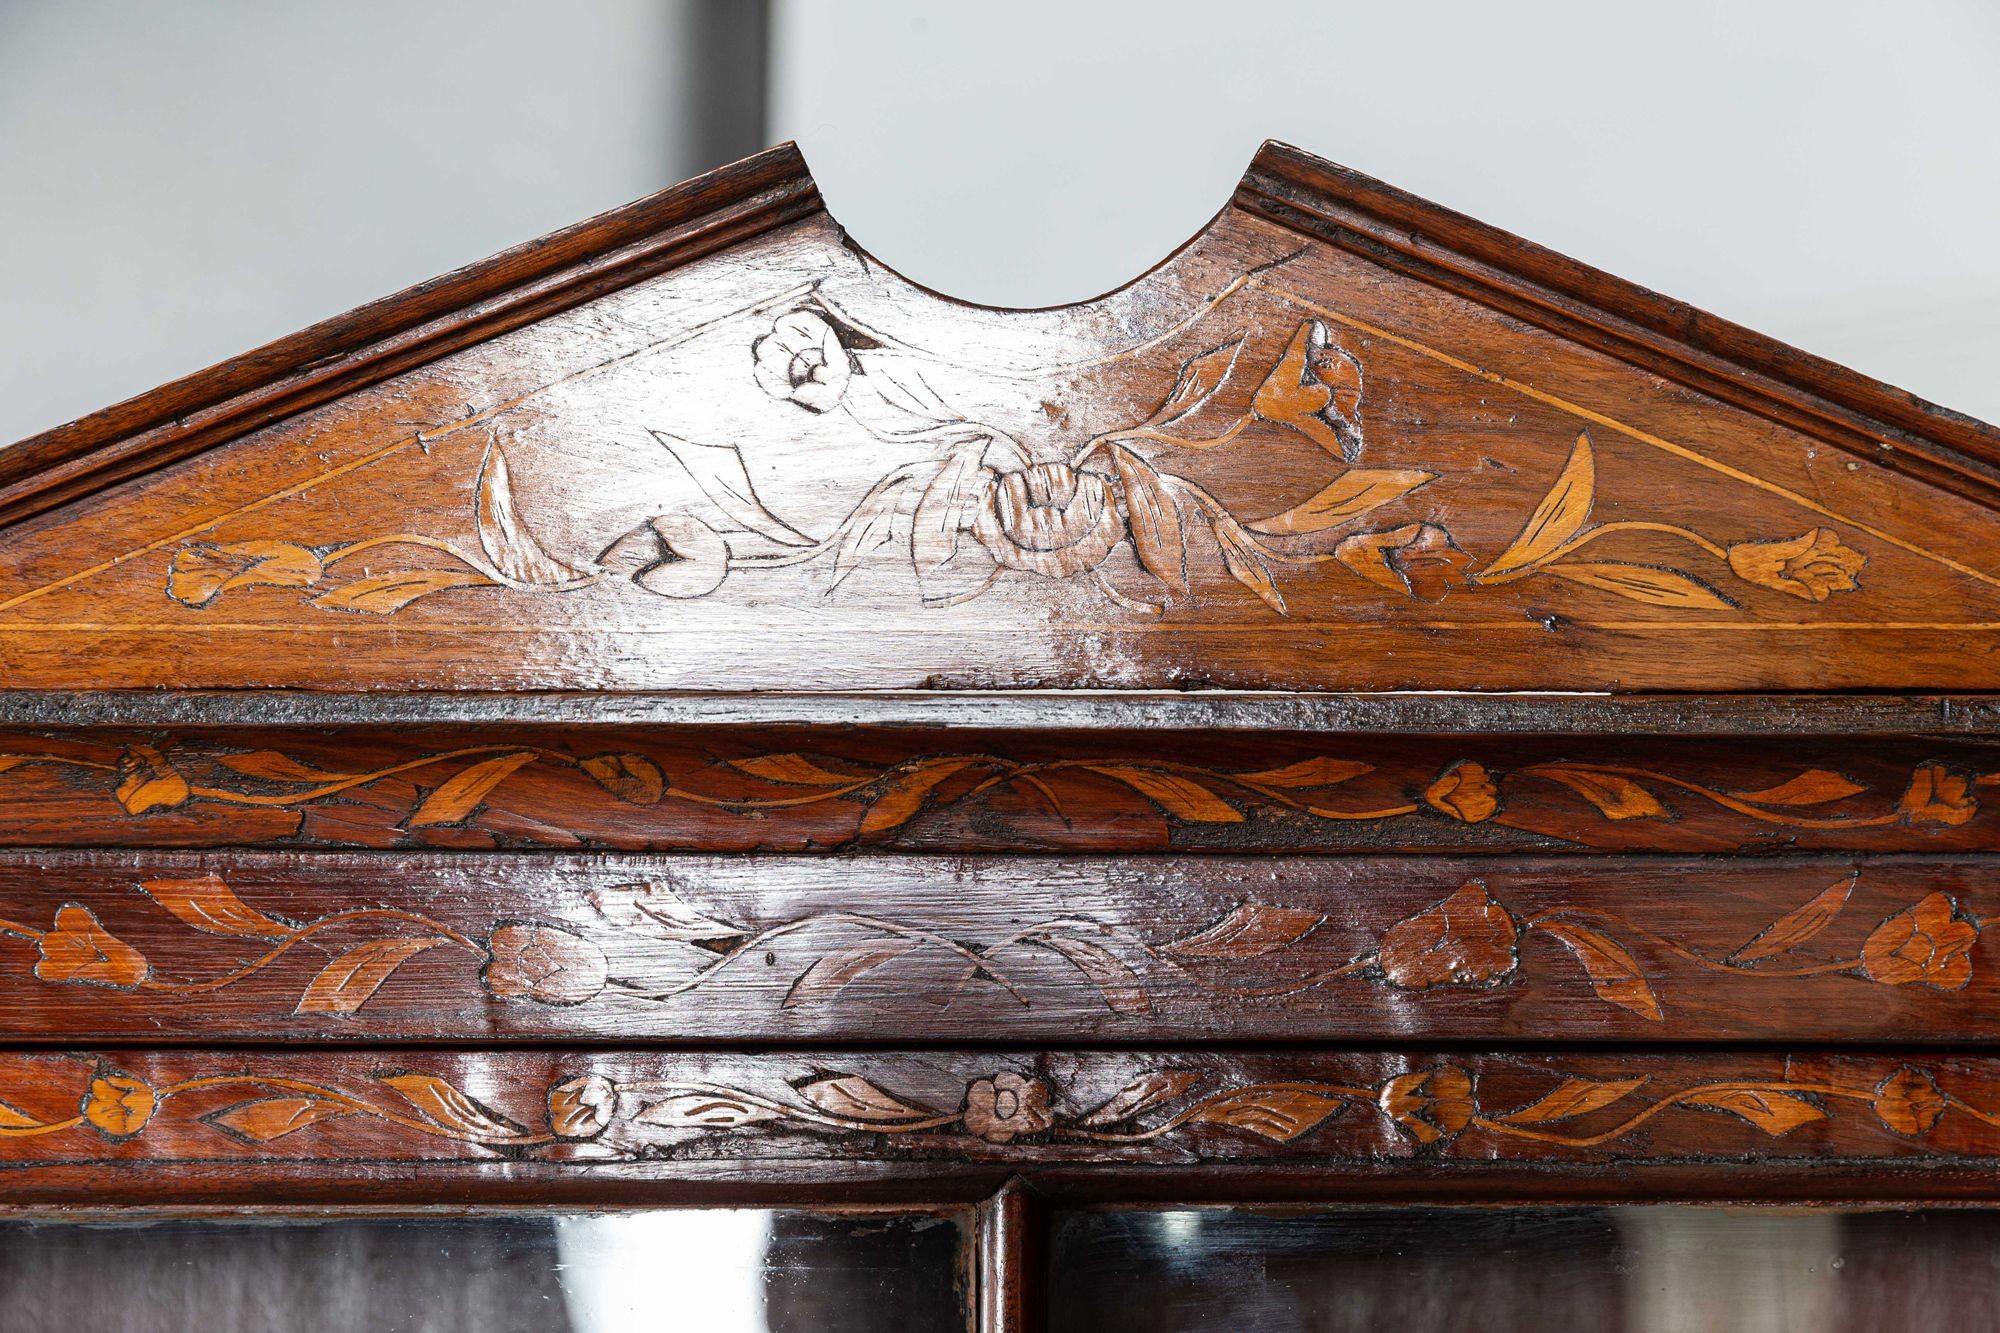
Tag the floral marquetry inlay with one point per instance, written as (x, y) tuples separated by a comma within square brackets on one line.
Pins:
[(974, 503), (1172, 1106), (672, 948)]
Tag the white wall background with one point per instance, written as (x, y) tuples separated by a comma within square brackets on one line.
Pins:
[(182, 181), (1824, 171), (179, 182)]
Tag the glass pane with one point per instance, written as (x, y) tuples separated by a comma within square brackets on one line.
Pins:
[(717, 1271), (1643, 1269)]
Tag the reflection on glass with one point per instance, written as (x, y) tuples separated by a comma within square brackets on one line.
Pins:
[(716, 1271), (1642, 1269)]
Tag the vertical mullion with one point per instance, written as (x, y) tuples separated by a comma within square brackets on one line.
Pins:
[(1009, 1241)]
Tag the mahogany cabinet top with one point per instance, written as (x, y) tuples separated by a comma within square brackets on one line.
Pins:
[(1342, 441)]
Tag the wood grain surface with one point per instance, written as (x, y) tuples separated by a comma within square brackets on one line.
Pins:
[(341, 948)]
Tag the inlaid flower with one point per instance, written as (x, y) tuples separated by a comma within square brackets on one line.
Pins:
[(1909, 1101), (543, 964), (1316, 390), (119, 1105), (1812, 565), (1430, 1104), (998, 1109), (1928, 943), (1937, 795), (146, 781), (81, 951), (1465, 791), (202, 571), (1418, 559), (802, 359), (580, 1108), (1465, 940), (1048, 519)]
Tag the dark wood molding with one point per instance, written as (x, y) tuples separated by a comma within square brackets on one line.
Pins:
[(1029, 712), (1725, 360), (1010, 1239), (369, 344)]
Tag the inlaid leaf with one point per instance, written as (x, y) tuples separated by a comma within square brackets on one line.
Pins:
[(459, 795), (451, 1108), (275, 1117), (854, 1098), (1616, 797), (346, 983), (1644, 583), (1557, 518), (380, 594), (901, 382), (506, 540), (1815, 786), (14, 1118), (1249, 931), (1200, 378), (1575, 1097), (1245, 564), (1319, 772), (906, 793), (206, 903), (660, 907), (1142, 1094), (872, 525), (833, 972), (794, 769), (1158, 538), (1351, 494), (632, 778), (1183, 798), (718, 470), (702, 1110), (1796, 926), (945, 507), (1775, 1113), (274, 767), (1614, 974), (1281, 1114), (1117, 983)]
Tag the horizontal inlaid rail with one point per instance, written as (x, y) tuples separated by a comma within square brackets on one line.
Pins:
[(107, 1119), (342, 948), (807, 788)]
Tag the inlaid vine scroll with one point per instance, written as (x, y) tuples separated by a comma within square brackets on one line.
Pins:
[(790, 948), (670, 1116), (788, 789)]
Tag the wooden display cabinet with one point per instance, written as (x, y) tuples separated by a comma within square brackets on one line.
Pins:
[(1371, 715)]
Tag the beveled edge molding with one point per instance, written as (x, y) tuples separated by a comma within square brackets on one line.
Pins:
[(419, 324), (1445, 248), (1568, 714)]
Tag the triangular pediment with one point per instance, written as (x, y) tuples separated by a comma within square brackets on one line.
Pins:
[(1343, 440)]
